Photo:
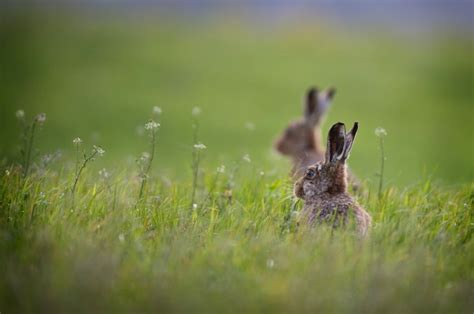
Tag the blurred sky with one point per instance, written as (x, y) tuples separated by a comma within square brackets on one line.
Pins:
[(406, 16)]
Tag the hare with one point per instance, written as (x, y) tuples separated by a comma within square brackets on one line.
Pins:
[(301, 141), (324, 185)]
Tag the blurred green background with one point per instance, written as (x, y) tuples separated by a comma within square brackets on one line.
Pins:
[(98, 77)]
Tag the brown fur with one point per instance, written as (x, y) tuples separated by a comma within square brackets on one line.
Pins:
[(324, 185)]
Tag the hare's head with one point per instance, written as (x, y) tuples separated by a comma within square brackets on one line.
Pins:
[(329, 176), (299, 136)]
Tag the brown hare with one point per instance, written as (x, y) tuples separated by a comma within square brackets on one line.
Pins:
[(301, 140), (324, 184)]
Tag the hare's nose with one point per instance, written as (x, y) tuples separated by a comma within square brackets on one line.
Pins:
[(277, 143), (280, 145)]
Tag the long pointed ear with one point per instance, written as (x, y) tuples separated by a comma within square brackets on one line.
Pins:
[(316, 104), (324, 101), (310, 105), (331, 91), (336, 142), (350, 137)]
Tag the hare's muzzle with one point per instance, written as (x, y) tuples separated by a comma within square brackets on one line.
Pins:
[(280, 146), (298, 188)]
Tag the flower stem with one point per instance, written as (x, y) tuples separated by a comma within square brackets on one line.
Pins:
[(196, 159), (148, 166), (78, 173), (29, 149), (382, 168)]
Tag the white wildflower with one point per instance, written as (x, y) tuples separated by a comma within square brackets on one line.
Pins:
[(7, 172), (200, 146), (270, 263), (145, 156), (41, 118), (195, 206), (250, 126), (152, 125), (380, 132), (262, 173), (247, 158), (104, 173), (99, 150), (196, 111), (20, 114), (157, 110), (121, 237), (77, 141), (221, 169)]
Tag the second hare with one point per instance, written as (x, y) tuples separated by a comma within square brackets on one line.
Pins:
[(324, 185), (301, 140)]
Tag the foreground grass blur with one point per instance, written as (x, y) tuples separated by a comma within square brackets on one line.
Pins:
[(239, 249)]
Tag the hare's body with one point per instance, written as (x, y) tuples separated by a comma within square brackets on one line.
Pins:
[(336, 209), (324, 186)]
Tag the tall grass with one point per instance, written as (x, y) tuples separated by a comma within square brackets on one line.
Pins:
[(381, 133), (245, 251), (28, 132), (146, 161), (82, 164)]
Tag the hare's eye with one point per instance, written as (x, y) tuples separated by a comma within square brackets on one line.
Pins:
[(310, 174)]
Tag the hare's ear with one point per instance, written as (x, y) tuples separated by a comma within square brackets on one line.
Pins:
[(336, 142), (350, 137), (331, 91), (316, 105), (310, 105)]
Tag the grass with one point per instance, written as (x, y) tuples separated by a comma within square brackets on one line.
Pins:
[(181, 233), (231, 254)]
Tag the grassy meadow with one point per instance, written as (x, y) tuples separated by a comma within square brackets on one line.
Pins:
[(216, 228)]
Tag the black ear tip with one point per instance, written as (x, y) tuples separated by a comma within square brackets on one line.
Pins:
[(331, 92), (312, 91), (337, 128), (355, 128)]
